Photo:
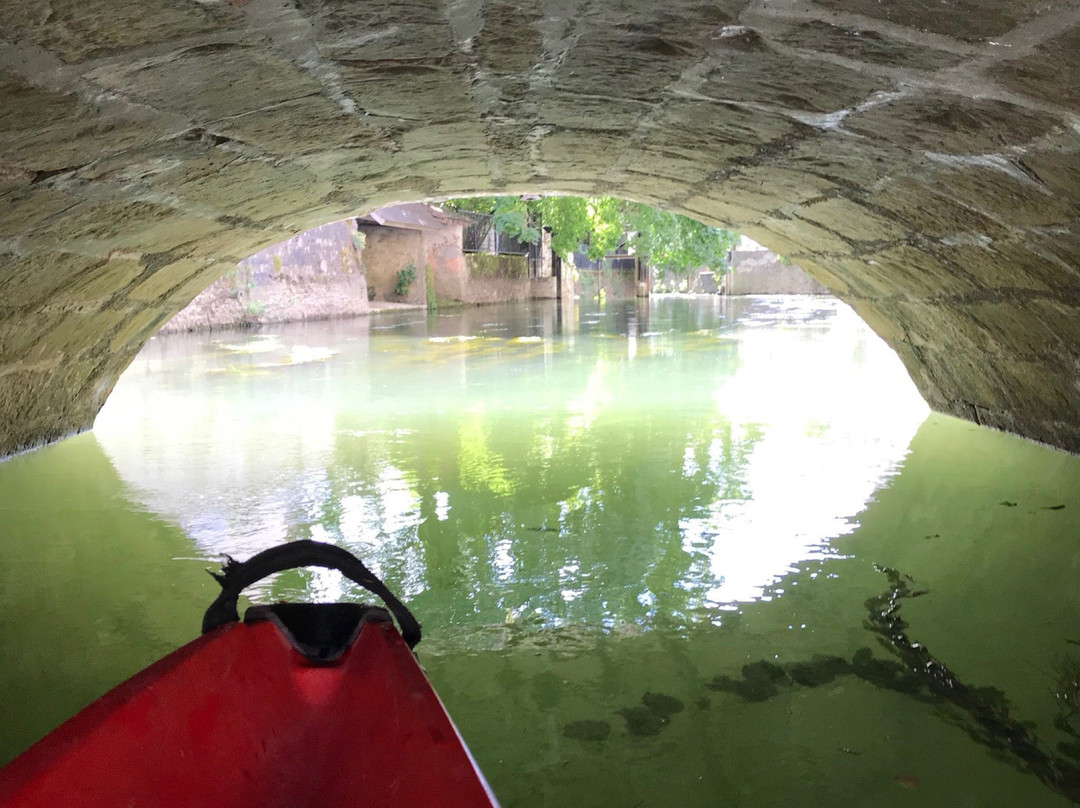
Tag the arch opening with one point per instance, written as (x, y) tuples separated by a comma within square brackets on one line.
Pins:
[(921, 165)]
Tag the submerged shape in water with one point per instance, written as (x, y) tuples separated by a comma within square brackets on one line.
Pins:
[(662, 704), (982, 712), (587, 730)]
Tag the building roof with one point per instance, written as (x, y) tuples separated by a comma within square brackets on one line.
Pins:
[(410, 216)]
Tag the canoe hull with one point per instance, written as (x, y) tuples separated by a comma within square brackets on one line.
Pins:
[(239, 718)]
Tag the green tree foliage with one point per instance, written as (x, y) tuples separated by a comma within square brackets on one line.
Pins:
[(665, 241), (676, 243)]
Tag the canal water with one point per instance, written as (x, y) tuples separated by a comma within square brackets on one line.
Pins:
[(686, 552)]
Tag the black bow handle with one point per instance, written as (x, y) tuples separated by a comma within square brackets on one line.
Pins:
[(235, 576)]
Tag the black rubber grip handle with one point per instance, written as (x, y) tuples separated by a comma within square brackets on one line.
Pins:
[(235, 576)]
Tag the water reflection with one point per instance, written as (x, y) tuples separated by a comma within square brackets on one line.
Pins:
[(616, 467)]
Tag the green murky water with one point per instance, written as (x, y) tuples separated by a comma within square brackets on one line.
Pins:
[(641, 541)]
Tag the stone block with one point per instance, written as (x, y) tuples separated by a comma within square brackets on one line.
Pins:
[(155, 285), (747, 198), (558, 107), (411, 91), (806, 237), (52, 334), (23, 212), (445, 139), (302, 126), (31, 280), (909, 272), (751, 71), (77, 30), (1049, 73), (581, 153), (660, 162), (626, 66), (380, 31), (705, 124), (42, 131), (862, 45), (653, 189), (951, 124), (940, 326), (923, 208), (39, 405), (851, 220), (178, 297), (1014, 200), (450, 169), (509, 39), (830, 276), (103, 227), (786, 187), (433, 39), (963, 19), (1001, 265), (1060, 317), (445, 151), (209, 82), (138, 326), (254, 190), (101, 282), (865, 278), (1016, 327), (836, 157), (696, 158), (349, 170), (465, 185), (1058, 170)]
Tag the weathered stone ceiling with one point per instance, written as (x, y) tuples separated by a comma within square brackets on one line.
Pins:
[(920, 158)]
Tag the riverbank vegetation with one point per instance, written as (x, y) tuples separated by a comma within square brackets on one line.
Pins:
[(599, 226)]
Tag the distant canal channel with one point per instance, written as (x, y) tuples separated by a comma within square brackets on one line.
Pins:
[(686, 552)]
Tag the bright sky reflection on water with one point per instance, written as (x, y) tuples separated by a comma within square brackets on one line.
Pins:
[(660, 461)]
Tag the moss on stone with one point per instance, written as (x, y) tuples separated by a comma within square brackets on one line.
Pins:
[(485, 265)]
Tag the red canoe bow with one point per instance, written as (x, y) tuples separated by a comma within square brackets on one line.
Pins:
[(299, 705)]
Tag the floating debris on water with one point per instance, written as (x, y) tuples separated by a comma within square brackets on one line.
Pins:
[(1008, 504), (906, 781), (1053, 508), (587, 730)]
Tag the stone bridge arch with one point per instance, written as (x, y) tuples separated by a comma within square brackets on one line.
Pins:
[(920, 159)]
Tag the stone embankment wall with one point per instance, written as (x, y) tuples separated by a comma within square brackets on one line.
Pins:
[(314, 276), (501, 278), (337, 270)]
